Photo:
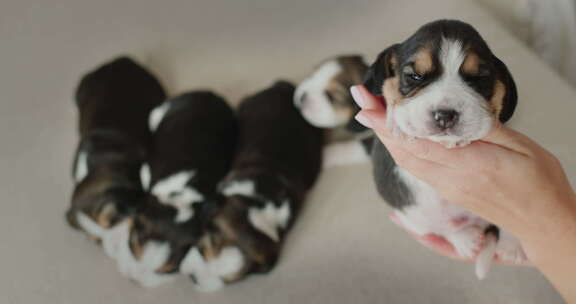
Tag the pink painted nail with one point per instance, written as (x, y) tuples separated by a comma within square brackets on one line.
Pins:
[(357, 96), (365, 121)]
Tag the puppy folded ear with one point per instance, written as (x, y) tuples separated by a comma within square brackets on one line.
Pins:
[(354, 126), (382, 68), (121, 203), (510, 99)]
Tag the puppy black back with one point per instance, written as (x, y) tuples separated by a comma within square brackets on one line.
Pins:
[(118, 96), (274, 135), (199, 132), (113, 103)]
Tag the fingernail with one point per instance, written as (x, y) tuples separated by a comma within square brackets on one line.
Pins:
[(364, 120), (357, 96)]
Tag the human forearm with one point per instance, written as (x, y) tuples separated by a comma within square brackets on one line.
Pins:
[(553, 250)]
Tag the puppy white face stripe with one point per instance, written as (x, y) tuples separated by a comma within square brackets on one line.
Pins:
[(451, 58), (174, 191), (115, 242), (210, 275), (315, 106), (449, 92), (154, 255), (157, 115), (144, 271), (89, 226), (81, 167), (270, 218), (245, 188), (145, 176)]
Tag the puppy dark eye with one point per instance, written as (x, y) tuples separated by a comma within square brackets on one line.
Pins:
[(414, 76), (302, 99), (483, 72), (329, 96)]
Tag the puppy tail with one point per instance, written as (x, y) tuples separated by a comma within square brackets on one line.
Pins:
[(484, 259)]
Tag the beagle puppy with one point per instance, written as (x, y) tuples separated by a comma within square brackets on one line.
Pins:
[(113, 102), (443, 84), (277, 162), (193, 143), (325, 101)]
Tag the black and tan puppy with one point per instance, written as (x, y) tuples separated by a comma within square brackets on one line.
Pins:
[(114, 103), (194, 140), (442, 84), (277, 162), (324, 97), (325, 101)]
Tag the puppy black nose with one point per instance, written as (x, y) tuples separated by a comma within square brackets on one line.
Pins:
[(445, 119), (302, 100)]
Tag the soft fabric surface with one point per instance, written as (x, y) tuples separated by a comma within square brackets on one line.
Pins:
[(343, 250)]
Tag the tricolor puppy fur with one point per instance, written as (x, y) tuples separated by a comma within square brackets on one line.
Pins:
[(113, 102), (277, 162), (325, 101), (193, 144), (442, 84)]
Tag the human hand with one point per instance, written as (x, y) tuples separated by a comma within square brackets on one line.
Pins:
[(505, 178)]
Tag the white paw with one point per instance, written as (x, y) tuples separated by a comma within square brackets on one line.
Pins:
[(468, 241), (510, 250)]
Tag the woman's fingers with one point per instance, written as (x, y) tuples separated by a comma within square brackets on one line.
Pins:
[(419, 148), (365, 99), (509, 139), (374, 116)]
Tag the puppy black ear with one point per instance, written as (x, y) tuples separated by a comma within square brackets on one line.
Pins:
[(381, 69), (353, 125), (127, 201), (511, 97)]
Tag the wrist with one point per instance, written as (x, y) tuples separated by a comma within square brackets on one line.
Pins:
[(552, 236)]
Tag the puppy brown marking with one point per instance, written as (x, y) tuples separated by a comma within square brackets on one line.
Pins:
[(211, 245), (497, 100), (471, 64), (340, 99), (353, 70), (235, 229), (208, 248), (338, 91), (135, 245), (391, 91), (106, 215), (393, 62), (167, 268), (236, 276), (423, 63)]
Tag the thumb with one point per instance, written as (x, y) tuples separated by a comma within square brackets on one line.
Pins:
[(415, 148)]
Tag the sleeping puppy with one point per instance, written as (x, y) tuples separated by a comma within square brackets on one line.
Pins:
[(113, 102), (442, 84), (324, 100), (277, 162), (193, 143)]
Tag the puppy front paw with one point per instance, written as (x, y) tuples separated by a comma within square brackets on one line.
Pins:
[(510, 250), (468, 241)]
